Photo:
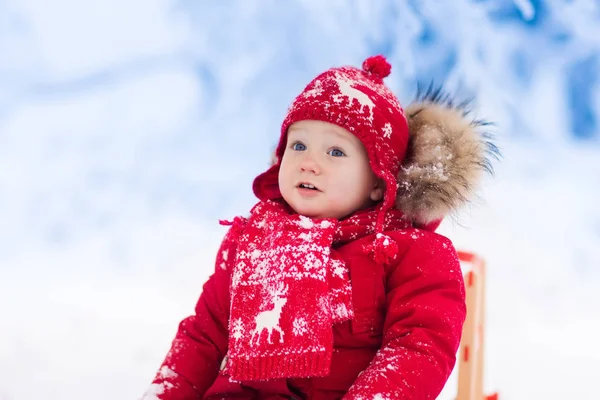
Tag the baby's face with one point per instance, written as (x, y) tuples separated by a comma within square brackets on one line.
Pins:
[(325, 171)]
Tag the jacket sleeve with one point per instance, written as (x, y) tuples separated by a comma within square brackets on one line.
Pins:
[(192, 364), (425, 313)]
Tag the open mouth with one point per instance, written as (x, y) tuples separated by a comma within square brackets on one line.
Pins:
[(307, 186)]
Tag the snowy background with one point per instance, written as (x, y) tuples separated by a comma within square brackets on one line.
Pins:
[(128, 127)]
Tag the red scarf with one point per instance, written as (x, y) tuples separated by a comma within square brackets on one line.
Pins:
[(288, 287)]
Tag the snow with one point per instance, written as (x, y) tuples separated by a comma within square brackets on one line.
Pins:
[(326, 224), (128, 128), (154, 391), (305, 223)]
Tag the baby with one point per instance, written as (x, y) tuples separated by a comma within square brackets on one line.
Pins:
[(335, 285)]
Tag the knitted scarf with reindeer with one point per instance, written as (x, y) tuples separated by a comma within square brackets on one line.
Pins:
[(288, 288)]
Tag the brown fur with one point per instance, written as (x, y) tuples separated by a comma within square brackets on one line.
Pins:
[(445, 159)]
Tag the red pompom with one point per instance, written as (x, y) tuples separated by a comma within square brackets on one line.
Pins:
[(383, 250), (378, 66)]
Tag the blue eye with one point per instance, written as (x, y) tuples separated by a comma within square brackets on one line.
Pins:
[(336, 153), (298, 146)]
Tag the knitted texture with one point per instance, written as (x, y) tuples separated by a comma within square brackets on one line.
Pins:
[(358, 101), (288, 288)]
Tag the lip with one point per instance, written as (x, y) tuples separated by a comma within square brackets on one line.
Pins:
[(316, 189), (307, 192)]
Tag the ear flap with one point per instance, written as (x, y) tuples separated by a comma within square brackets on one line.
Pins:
[(447, 154), (266, 185)]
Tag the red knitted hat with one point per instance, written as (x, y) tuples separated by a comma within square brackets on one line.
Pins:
[(358, 101)]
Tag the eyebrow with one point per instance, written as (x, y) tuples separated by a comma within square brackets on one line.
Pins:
[(334, 131), (341, 136)]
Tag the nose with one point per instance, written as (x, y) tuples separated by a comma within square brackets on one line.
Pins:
[(309, 164)]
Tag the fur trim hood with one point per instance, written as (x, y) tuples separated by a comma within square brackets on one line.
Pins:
[(448, 152)]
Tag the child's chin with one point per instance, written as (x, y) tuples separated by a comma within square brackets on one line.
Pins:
[(312, 212)]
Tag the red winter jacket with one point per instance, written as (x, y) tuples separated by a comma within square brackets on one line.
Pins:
[(401, 343)]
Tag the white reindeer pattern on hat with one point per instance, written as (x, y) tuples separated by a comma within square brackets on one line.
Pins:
[(350, 92)]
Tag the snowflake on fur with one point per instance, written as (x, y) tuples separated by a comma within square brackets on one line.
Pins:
[(238, 329), (300, 327)]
